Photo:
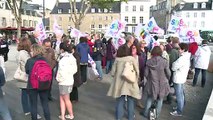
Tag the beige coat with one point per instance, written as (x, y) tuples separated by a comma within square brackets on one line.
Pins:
[(120, 86), (22, 58)]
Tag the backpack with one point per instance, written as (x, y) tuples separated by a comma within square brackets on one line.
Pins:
[(153, 111), (41, 75)]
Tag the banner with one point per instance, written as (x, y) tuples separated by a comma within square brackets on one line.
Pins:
[(176, 24), (185, 34), (117, 42), (39, 32), (115, 29), (57, 30), (153, 27)]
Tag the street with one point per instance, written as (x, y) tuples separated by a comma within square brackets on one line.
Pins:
[(95, 105)]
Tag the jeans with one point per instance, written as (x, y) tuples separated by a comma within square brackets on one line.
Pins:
[(74, 94), (83, 69), (197, 72), (149, 102), (44, 102), (120, 102), (25, 101), (99, 68), (53, 78), (179, 92), (109, 65), (4, 112)]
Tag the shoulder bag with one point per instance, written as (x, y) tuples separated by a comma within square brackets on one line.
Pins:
[(129, 74)]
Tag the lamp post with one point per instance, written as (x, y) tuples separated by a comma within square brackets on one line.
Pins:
[(44, 13)]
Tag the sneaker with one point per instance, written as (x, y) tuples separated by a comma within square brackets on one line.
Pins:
[(69, 117), (28, 113), (175, 113), (174, 108), (38, 116), (61, 117)]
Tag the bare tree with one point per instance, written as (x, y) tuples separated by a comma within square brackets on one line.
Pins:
[(77, 17), (16, 7)]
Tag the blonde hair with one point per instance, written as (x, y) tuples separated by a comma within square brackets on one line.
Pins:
[(37, 50)]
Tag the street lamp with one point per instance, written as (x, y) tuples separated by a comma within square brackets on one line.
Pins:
[(44, 13)]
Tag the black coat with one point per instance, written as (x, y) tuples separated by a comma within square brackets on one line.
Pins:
[(2, 81), (77, 75)]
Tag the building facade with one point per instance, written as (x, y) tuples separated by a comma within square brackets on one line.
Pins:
[(97, 20), (197, 15), (134, 12), (29, 17)]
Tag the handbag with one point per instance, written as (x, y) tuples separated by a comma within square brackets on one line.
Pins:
[(129, 73), (153, 111), (20, 75)]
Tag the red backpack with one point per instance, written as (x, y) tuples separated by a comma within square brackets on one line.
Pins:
[(41, 75)]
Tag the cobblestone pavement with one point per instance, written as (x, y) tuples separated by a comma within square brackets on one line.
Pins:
[(95, 105)]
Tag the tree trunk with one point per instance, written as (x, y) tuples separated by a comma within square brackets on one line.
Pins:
[(19, 29), (77, 26)]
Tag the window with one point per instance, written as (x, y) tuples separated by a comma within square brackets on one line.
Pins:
[(195, 5), (100, 18), (110, 10), (126, 8), (92, 10), (195, 24), (59, 11), (25, 23), (4, 22), (202, 24), (106, 17), (188, 24), (195, 14), (133, 29), (141, 19), (35, 23), (60, 18), (69, 10), (70, 19), (133, 19), (76, 10), (105, 10), (203, 5), (111, 17), (106, 26), (92, 26), (203, 14), (99, 10), (30, 23), (141, 8), (126, 29), (187, 15), (93, 18), (126, 19), (100, 26), (134, 8), (13, 22)]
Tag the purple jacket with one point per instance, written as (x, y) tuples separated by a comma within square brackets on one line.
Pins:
[(110, 52)]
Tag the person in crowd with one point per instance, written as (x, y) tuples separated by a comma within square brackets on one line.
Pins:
[(169, 45), (104, 50), (110, 55), (180, 68), (77, 76), (98, 53), (165, 55), (90, 43), (129, 42), (120, 89), (202, 58), (24, 54), (37, 53), (173, 56), (4, 112), (83, 49), (4, 48), (157, 73), (67, 67), (49, 55)]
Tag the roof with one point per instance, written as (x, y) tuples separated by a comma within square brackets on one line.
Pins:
[(190, 6), (65, 6)]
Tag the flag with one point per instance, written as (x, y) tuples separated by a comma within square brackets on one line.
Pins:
[(57, 30), (39, 32)]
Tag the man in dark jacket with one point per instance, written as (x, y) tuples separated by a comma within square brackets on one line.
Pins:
[(4, 112), (4, 49), (83, 49), (97, 55)]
